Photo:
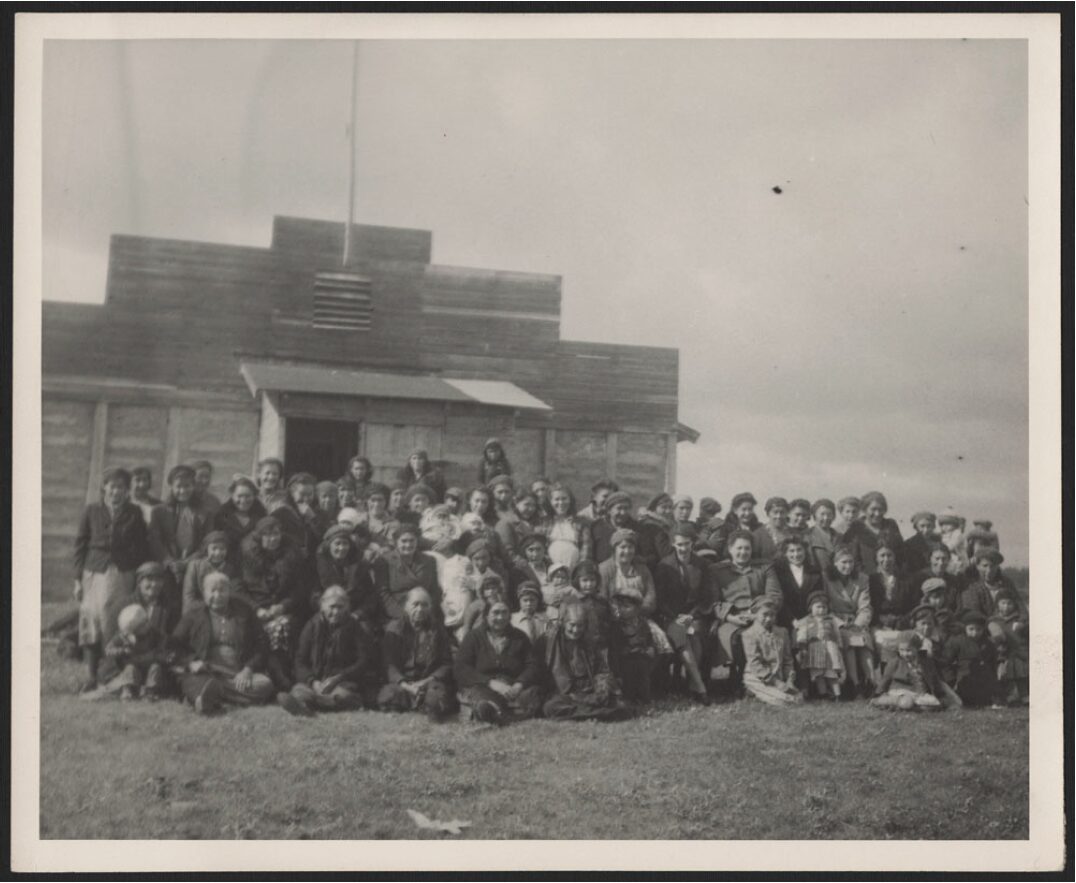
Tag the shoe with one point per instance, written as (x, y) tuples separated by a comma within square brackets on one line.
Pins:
[(293, 706), (700, 698), (487, 712)]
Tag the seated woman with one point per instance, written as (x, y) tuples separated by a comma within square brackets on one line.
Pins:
[(797, 578), (340, 562), (533, 568), (981, 596), (892, 600), (271, 580), (335, 665), (397, 572), (822, 539), (583, 684), (768, 674), (850, 601), (498, 671), (359, 475), (910, 681), (238, 515), (682, 584), (213, 557), (938, 568), (379, 524), (737, 582), (417, 656), (494, 461), (219, 651), (625, 569), (419, 470), (874, 530)]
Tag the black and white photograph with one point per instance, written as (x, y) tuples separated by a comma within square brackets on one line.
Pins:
[(538, 431)]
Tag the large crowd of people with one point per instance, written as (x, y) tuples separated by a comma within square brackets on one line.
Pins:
[(507, 601)]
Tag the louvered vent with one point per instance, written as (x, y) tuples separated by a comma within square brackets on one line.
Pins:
[(342, 300)]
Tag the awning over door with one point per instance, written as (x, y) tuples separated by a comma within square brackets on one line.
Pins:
[(325, 380)]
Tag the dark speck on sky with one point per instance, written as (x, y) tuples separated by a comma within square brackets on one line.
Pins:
[(777, 190)]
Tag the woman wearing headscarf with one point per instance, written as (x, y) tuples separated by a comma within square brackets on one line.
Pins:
[(238, 515), (419, 469), (417, 657), (583, 684), (498, 671), (335, 665), (494, 461), (271, 579), (625, 569), (339, 561), (402, 569), (568, 534), (873, 530)]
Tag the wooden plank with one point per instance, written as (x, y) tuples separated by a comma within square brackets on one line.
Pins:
[(610, 454), (670, 463), (97, 451)]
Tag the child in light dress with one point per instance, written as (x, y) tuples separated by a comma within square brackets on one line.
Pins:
[(818, 647)]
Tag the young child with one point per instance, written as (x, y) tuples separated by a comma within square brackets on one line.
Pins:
[(214, 557), (529, 619), (936, 596), (633, 651), (818, 645), (972, 663), (586, 594), (110, 544), (768, 674), (1008, 629), (910, 682), (134, 659), (558, 588)]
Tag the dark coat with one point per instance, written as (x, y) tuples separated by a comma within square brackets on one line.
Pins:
[(864, 543), (272, 579), (890, 612), (653, 543), (353, 575), (102, 541), (432, 478), (393, 580), (325, 652), (226, 519), (917, 551), (899, 674), (794, 597), (979, 598), (398, 653), (193, 636), (682, 591), (953, 586), (162, 532), (478, 662)]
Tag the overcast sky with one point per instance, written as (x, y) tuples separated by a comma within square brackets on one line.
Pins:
[(865, 328)]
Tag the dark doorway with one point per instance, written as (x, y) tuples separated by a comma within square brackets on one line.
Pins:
[(320, 447)]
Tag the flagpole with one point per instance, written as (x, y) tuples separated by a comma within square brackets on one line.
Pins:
[(351, 152)]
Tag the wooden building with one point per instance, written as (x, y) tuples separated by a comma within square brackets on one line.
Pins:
[(233, 353)]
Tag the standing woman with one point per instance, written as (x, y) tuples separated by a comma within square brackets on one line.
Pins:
[(270, 476), (177, 528), (569, 535), (874, 530), (494, 461), (850, 601), (359, 474), (798, 579), (110, 545), (141, 482), (917, 548), (770, 536), (822, 539), (892, 599), (419, 469), (238, 515)]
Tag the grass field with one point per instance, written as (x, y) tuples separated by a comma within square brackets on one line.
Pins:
[(731, 771)]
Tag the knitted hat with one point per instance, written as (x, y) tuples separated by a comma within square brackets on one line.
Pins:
[(349, 516), (301, 478), (682, 498), (131, 618), (337, 530), (117, 473), (556, 568), (709, 506), (530, 539), (420, 489), (1007, 594), (376, 489), (150, 568), (743, 497), (989, 554), (268, 522), (214, 536), (491, 442), (685, 529), (815, 597), (973, 617), (934, 584), (949, 518), (180, 471), (617, 498), (657, 501), (325, 487), (479, 545), (773, 502), (624, 535)]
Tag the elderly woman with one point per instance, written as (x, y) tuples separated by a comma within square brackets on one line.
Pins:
[(737, 582), (874, 530), (335, 667), (498, 671), (302, 500), (403, 569), (625, 569), (328, 500), (220, 651), (340, 562), (419, 470), (271, 579), (951, 532), (770, 536), (583, 684), (417, 657), (569, 535), (109, 547), (821, 538), (849, 596), (238, 515)]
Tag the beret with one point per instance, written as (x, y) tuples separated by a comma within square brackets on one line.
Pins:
[(617, 498), (375, 489), (180, 471), (347, 515), (923, 611), (744, 497), (215, 536), (973, 617), (407, 527), (479, 545), (420, 489), (337, 530), (498, 480), (117, 473), (302, 478), (624, 535), (775, 501), (532, 538), (984, 523), (657, 501), (948, 518), (325, 486), (709, 504), (266, 523), (1007, 594), (683, 498), (933, 585), (150, 568), (457, 493), (989, 554), (685, 529), (528, 588)]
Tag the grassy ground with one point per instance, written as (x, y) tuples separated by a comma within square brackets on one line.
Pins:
[(738, 770)]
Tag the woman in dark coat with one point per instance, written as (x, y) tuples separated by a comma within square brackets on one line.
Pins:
[(419, 470), (238, 515), (417, 656), (177, 528), (494, 461), (822, 539), (271, 579), (109, 546), (874, 530), (403, 569), (892, 595), (359, 475), (340, 562), (498, 671), (798, 579)]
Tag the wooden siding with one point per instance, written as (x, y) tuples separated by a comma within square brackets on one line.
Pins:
[(304, 236), (640, 464)]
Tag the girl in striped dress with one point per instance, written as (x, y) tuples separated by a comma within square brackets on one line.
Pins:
[(818, 647)]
